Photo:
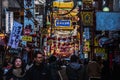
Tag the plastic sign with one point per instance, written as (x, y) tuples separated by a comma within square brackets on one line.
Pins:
[(15, 35), (26, 38), (27, 31), (62, 23), (63, 4)]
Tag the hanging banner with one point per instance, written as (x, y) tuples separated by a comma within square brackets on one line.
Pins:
[(86, 33), (29, 15), (15, 35), (9, 21)]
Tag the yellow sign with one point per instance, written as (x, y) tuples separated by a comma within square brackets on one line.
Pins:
[(2, 36), (27, 38), (99, 50), (63, 4), (86, 47)]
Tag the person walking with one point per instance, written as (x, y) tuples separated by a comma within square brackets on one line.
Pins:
[(1, 74), (17, 71), (54, 68), (39, 69), (93, 70), (73, 70)]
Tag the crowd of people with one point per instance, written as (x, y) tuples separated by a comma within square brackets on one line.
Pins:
[(56, 69)]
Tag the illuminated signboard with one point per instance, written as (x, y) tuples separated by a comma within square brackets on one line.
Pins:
[(27, 38), (63, 4), (62, 23)]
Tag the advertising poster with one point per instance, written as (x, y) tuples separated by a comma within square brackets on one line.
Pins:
[(9, 21), (15, 35), (29, 15)]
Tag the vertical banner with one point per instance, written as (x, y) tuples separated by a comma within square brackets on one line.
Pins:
[(86, 33), (15, 35), (29, 15), (9, 21)]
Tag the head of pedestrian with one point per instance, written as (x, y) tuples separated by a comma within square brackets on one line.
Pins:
[(38, 58), (52, 59), (17, 62), (74, 58)]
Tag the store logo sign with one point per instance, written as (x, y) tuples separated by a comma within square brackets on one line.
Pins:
[(63, 23)]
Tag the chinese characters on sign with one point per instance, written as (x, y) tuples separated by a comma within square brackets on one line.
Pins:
[(29, 14), (15, 35), (63, 23), (9, 21)]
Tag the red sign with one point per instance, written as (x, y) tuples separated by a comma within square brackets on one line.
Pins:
[(27, 31)]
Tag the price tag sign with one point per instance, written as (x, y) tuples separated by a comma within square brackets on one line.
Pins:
[(27, 38)]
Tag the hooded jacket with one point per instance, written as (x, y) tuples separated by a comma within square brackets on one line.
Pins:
[(73, 71)]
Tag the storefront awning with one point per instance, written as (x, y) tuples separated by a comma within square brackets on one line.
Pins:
[(13, 4)]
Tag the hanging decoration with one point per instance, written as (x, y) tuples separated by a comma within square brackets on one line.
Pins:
[(15, 35)]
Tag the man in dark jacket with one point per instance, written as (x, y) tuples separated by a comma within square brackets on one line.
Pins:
[(1, 74), (39, 70)]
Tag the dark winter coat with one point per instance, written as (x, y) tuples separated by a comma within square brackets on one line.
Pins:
[(54, 71), (73, 71), (15, 74), (40, 72), (1, 74)]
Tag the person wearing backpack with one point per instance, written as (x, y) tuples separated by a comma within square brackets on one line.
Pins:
[(73, 70)]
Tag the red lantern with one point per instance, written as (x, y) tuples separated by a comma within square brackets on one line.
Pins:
[(44, 36), (74, 36), (64, 39), (58, 44), (54, 42), (69, 38), (58, 39), (34, 35)]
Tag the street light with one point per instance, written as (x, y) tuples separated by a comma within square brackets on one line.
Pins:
[(106, 9), (79, 3)]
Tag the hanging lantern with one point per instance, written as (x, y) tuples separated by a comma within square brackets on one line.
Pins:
[(74, 36), (69, 38), (54, 45), (43, 36), (59, 39), (64, 39), (33, 35), (54, 42)]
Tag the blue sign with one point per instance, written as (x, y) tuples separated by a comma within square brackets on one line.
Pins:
[(108, 21), (15, 35), (28, 15), (62, 23)]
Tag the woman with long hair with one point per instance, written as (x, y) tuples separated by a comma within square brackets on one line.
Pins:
[(17, 72)]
